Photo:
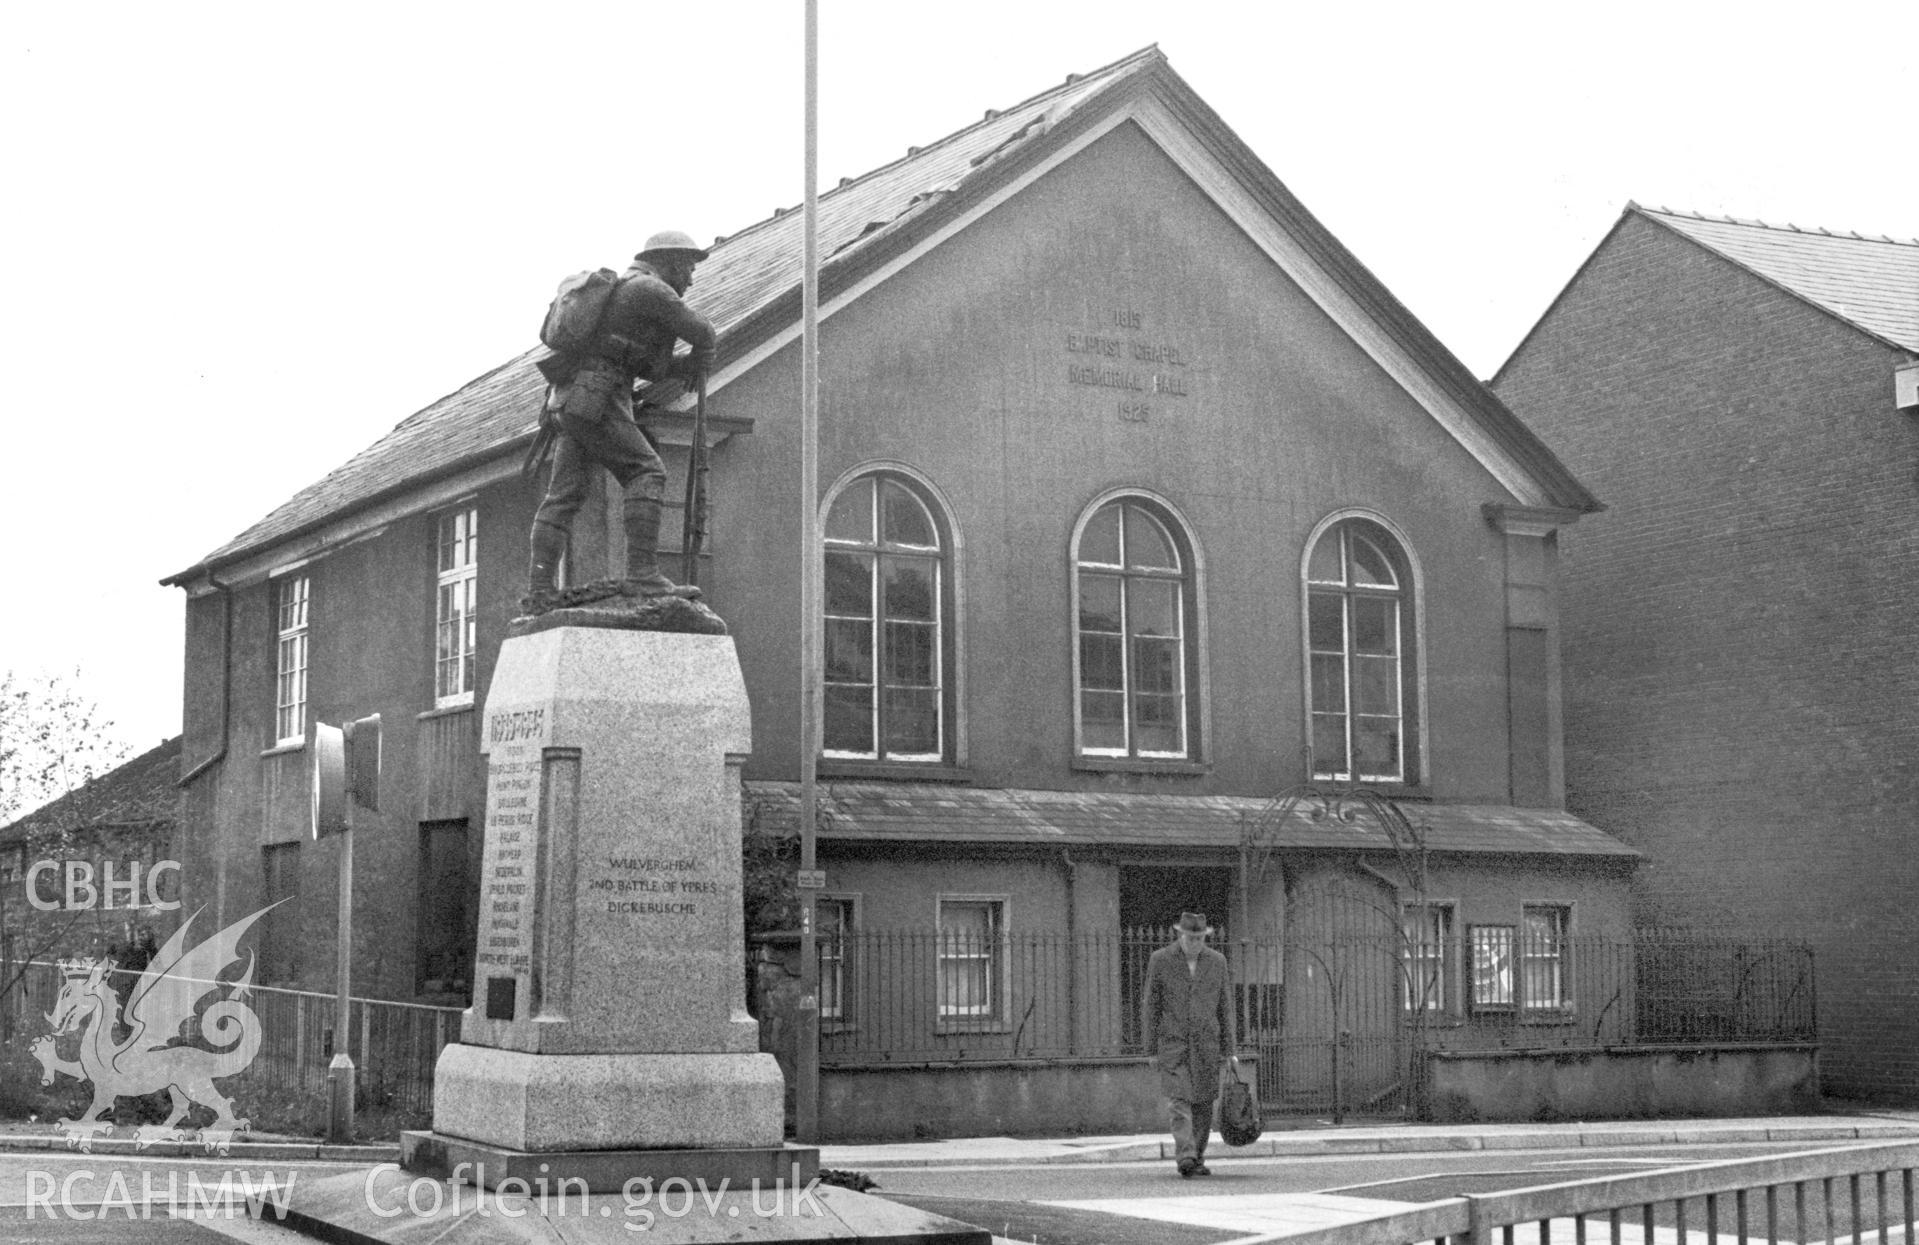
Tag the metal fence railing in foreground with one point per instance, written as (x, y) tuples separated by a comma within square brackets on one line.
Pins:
[(1853, 1195), (394, 1045)]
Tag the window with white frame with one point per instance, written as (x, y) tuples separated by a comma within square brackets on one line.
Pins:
[(1543, 970), (456, 628), (833, 927), (1359, 627), (291, 599), (1135, 664), (887, 663), (972, 957), (1426, 932)]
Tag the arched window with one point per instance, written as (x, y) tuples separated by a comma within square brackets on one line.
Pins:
[(887, 661), (1360, 643), (1133, 580)]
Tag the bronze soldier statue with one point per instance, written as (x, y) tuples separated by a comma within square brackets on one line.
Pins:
[(593, 410)]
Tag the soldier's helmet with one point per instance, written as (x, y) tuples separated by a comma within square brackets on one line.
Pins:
[(669, 241)]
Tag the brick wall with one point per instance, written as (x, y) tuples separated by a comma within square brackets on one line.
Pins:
[(1740, 673)]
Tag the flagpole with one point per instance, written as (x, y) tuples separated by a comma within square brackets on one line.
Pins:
[(807, 1092)]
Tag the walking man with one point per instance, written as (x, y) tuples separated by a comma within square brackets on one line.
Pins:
[(645, 317), (1187, 1017)]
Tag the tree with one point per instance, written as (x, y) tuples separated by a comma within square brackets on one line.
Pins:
[(53, 742)]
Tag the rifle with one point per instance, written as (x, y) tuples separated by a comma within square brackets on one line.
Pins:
[(696, 504)]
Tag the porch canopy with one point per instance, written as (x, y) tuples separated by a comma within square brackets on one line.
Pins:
[(933, 812)]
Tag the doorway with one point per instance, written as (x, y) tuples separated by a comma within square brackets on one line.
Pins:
[(1151, 897)]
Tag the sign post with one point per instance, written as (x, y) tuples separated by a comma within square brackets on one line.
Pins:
[(346, 772), (806, 1095)]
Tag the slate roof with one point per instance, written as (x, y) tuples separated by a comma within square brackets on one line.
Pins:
[(140, 792), (934, 813), (749, 288), (1871, 283)]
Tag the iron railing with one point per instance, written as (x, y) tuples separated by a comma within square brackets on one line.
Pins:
[(394, 1045), (1851, 1195), (1340, 1013)]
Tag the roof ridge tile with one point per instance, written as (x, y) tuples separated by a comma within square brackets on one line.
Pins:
[(1755, 223)]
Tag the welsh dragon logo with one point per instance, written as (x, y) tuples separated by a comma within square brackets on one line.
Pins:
[(154, 1055)]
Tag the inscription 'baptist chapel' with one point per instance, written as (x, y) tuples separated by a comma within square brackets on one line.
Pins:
[(1135, 364)]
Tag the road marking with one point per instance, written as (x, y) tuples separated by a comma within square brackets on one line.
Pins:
[(1262, 1214)]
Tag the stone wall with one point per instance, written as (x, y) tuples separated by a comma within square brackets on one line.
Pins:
[(1620, 1083)]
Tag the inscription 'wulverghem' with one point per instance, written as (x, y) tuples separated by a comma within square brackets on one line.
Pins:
[(1114, 362)]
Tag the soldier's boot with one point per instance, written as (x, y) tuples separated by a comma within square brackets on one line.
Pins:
[(643, 575), (547, 546)]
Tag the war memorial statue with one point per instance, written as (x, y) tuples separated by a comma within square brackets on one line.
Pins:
[(622, 329), (609, 1051)]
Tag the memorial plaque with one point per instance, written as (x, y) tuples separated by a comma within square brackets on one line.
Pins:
[(512, 740)]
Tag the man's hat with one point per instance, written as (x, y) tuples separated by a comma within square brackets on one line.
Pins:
[(671, 240), (1193, 923)]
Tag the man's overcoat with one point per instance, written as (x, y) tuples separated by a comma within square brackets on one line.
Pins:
[(1187, 1017)]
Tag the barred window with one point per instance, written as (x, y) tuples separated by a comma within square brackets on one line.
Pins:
[(1492, 967), (1543, 970), (1426, 931), (456, 628), (835, 922), (290, 697)]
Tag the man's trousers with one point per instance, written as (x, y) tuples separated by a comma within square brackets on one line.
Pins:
[(1192, 1127)]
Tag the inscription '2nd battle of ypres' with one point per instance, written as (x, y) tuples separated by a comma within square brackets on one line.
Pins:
[(653, 885), (1116, 358)]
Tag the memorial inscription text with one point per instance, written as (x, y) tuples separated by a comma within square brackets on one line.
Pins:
[(1120, 356)]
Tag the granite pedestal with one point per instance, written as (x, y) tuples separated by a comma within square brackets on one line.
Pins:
[(609, 1009)]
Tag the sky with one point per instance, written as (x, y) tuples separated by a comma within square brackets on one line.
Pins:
[(245, 240)]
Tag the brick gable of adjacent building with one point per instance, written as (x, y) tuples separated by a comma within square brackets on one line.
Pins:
[(1742, 686)]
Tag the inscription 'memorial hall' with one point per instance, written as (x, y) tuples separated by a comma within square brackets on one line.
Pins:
[(1124, 355), (609, 999)]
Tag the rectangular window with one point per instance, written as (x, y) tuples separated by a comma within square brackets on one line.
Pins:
[(832, 935), (443, 955), (290, 697), (1543, 976), (279, 931), (456, 629), (972, 931), (1492, 968), (1426, 932)]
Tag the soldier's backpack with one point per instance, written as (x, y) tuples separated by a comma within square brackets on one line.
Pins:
[(576, 311)]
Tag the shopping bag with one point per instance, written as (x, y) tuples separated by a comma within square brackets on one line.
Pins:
[(1240, 1123)]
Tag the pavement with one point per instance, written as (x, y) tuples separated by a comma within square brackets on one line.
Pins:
[(1263, 1218), (1254, 1218), (1326, 1138), (1289, 1138)]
